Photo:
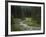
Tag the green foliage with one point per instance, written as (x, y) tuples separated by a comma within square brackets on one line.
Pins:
[(30, 15), (32, 22)]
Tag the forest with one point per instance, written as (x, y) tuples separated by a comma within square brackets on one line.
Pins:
[(25, 18)]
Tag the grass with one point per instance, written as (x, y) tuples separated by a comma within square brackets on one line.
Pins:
[(29, 21)]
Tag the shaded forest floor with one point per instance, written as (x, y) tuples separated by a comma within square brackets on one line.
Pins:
[(24, 25)]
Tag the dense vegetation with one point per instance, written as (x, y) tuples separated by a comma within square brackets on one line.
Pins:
[(28, 14)]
